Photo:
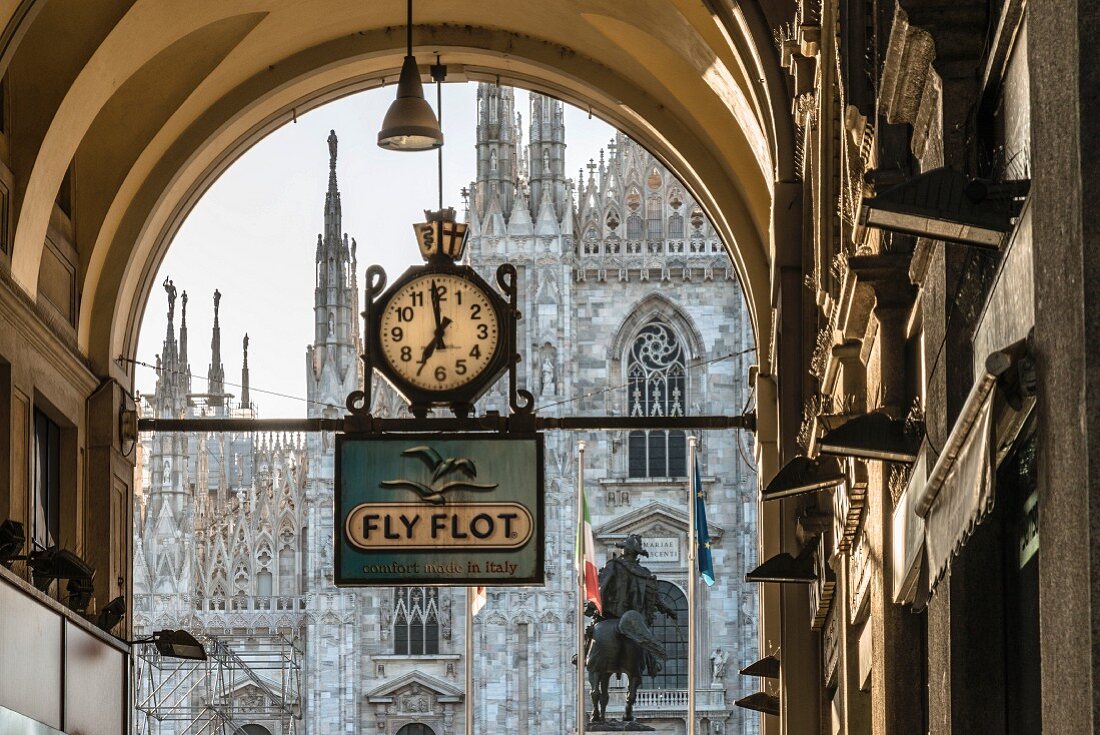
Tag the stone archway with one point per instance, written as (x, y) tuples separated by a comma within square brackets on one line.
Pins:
[(184, 93)]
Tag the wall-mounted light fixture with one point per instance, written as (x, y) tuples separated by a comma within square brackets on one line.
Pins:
[(766, 668), (874, 436), (111, 614), (127, 429), (175, 644), (410, 124), (53, 563), (78, 593), (786, 568), (12, 539), (760, 702), (944, 204), (803, 475)]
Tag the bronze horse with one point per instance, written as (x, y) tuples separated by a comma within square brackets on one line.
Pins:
[(611, 652)]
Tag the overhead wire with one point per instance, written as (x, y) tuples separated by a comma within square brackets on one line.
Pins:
[(620, 386), (189, 374)]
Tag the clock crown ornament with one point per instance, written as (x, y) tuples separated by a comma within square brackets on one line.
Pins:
[(441, 236)]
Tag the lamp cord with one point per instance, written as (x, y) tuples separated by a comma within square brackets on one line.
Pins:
[(409, 29), (439, 114)]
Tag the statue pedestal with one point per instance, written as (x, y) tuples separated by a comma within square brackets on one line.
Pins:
[(617, 726)]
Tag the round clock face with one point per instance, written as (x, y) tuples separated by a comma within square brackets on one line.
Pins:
[(439, 332)]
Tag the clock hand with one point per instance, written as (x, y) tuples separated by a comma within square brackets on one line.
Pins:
[(437, 341), (435, 304), (428, 350), (439, 333)]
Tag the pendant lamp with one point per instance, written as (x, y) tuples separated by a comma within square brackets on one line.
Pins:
[(410, 124)]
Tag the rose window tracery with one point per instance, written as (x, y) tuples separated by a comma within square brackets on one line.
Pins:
[(657, 386)]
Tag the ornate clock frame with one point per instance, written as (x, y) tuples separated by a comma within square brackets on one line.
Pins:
[(442, 242)]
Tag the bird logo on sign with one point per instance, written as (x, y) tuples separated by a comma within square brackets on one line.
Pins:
[(441, 469)]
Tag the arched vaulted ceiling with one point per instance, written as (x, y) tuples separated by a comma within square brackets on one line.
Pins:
[(152, 99)]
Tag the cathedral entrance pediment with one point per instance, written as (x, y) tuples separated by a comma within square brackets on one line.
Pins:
[(413, 684), (654, 519)]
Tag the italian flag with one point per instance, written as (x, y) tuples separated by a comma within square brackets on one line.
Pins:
[(478, 601), (586, 557)]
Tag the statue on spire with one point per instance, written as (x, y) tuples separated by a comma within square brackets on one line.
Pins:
[(183, 303), (217, 302), (170, 288), (332, 149)]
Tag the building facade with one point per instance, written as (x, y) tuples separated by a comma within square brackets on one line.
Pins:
[(631, 307)]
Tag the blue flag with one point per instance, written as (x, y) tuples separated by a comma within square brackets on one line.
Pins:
[(706, 562)]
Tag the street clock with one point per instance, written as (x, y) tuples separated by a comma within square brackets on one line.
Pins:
[(441, 335)]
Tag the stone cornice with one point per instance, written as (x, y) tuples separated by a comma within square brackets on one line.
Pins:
[(59, 350)]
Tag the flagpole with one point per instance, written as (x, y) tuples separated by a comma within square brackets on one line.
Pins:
[(692, 576), (470, 660), (580, 588)]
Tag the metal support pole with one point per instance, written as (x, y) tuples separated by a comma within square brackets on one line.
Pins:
[(470, 592), (487, 422), (580, 588), (693, 575)]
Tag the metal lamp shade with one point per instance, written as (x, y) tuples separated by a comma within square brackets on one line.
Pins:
[(767, 668), (179, 644), (410, 123), (944, 204), (12, 539), (786, 568), (52, 563), (802, 475), (874, 436), (760, 702)]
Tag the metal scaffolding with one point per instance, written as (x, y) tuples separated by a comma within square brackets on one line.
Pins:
[(253, 681)]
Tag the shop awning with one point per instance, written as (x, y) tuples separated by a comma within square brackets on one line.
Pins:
[(959, 492)]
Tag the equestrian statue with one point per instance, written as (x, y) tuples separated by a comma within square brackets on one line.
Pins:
[(620, 640)]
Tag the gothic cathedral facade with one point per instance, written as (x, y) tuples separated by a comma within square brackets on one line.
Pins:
[(627, 310)]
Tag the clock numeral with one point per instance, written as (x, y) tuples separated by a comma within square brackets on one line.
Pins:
[(440, 373), (458, 296), (397, 333), (441, 293), (476, 352), (406, 353), (417, 298), (460, 366), (475, 312), (482, 331), (405, 314)]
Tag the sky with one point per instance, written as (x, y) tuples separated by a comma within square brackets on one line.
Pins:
[(253, 235)]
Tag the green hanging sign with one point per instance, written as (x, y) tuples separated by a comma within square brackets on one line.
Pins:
[(439, 509)]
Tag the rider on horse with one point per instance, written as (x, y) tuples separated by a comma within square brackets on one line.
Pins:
[(628, 591)]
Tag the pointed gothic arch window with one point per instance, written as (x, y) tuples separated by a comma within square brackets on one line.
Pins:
[(287, 578), (633, 227), (672, 634), (653, 218), (263, 584), (676, 227), (416, 621), (494, 107), (656, 386)]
